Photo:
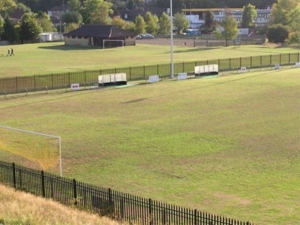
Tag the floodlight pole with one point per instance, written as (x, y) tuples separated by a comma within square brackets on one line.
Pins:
[(171, 20)]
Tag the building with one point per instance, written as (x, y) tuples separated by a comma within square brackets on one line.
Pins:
[(100, 35), (196, 16)]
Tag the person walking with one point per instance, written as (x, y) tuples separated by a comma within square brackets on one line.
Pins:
[(8, 52), (12, 52)]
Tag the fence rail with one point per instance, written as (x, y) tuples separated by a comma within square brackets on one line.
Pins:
[(90, 78), (106, 202)]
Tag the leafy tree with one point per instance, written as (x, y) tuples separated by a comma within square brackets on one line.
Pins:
[(74, 5), (71, 26), (294, 36), (9, 32), (96, 12), (119, 22), (227, 30), (151, 23), (130, 26), (208, 19), (281, 11), (1, 26), (29, 28), (277, 33), (164, 24), (181, 22), (71, 17), (140, 25), (249, 16), (45, 22), (6, 7)]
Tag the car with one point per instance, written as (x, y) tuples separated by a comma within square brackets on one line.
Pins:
[(144, 36)]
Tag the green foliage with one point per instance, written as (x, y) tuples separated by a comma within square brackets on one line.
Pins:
[(9, 32), (151, 23), (281, 11), (45, 22), (227, 30), (130, 26), (74, 5), (96, 12), (6, 7), (72, 17), (181, 22), (164, 24), (208, 19), (249, 16), (29, 28), (140, 25), (277, 33), (119, 22)]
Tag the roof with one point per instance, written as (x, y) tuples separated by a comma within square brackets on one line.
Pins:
[(17, 14), (100, 31)]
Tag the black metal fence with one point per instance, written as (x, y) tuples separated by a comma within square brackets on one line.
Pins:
[(106, 202), (90, 78)]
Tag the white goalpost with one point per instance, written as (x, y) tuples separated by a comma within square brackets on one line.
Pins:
[(109, 40), (33, 146)]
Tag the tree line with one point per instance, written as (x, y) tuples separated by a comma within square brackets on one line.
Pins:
[(284, 18)]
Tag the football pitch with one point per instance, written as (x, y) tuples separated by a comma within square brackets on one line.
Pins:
[(228, 145)]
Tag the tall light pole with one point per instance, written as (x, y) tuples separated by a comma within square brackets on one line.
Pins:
[(171, 20)]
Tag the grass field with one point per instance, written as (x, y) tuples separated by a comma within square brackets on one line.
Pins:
[(47, 58), (226, 145)]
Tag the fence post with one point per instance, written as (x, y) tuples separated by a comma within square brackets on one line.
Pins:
[(43, 184), (150, 211), (195, 217), (16, 83), (34, 82), (144, 72), (75, 192), (14, 175), (109, 196), (250, 61)]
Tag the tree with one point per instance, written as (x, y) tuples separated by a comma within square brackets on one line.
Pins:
[(9, 32), (249, 16), (74, 5), (119, 22), (277, 33), (227, 30), (164, 24), (130, 26), (71, 17), (1, 26), (208, 19), (181, 22), (29, 28), (281, 11), (151, 23), (7, 6), (294, 36), (96, 11), (140, 25), (45, 22)]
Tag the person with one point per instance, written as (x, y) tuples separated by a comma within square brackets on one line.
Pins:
[(8, 52), (12, 51)]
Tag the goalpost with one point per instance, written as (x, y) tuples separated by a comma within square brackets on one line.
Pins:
[(37, 147), (109, 40)]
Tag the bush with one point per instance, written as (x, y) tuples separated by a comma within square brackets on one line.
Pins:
[(277, 33)]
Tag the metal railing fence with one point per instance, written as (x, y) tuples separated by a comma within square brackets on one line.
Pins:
[(105, 201), (90, 78)]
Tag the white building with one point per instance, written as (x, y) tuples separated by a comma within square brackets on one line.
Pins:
[(263, 15)]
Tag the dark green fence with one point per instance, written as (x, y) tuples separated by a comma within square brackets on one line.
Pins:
[(106, 202), (90, 78)]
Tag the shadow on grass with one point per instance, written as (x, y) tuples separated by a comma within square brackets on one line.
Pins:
[(70, 48)]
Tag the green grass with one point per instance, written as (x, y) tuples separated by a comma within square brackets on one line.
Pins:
[(226, 145), (47, 58)]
